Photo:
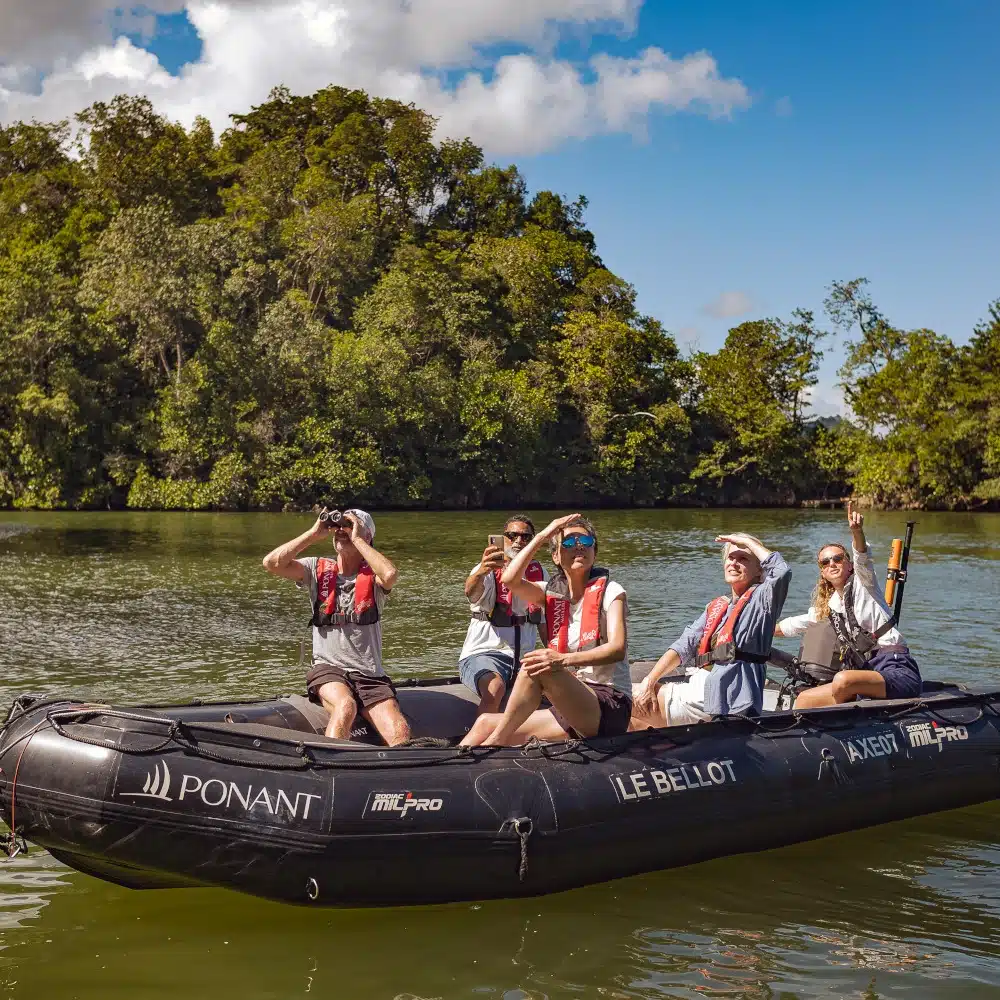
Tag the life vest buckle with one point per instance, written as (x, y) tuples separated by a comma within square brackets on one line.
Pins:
[(724, 652)]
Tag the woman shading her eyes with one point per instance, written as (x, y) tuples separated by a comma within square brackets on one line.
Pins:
[(583, 671)]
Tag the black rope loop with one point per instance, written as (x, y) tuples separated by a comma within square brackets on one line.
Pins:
[(523, 827), (56, 720)]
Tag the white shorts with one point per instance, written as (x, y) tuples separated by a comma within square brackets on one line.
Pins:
[(683, 702)]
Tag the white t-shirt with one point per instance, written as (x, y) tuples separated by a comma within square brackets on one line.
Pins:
[(482, 637), (869, 605), (616, 674)]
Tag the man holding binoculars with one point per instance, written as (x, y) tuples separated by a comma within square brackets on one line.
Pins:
[(347, 595)]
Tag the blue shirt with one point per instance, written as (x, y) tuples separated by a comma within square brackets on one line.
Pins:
[(739, 686)]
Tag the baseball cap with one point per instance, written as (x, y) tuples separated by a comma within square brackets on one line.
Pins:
[(366, 521)]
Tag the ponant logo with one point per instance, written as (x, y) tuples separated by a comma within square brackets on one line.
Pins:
[(226, 794), (157, 786)]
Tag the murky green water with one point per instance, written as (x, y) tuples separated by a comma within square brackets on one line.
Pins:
[(142, 606)]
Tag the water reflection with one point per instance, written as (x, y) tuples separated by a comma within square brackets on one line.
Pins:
[(26, 884)]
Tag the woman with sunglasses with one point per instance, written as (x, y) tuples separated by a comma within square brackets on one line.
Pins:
[(503, 625), (583, 671), (848, 599)]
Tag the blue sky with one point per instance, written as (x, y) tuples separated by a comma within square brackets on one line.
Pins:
[(887, 166), (870, 148)]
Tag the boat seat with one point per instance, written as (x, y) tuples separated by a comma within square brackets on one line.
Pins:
[(447, 710)]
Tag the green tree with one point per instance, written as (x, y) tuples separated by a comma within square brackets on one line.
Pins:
[(915, 396), (750, 398)]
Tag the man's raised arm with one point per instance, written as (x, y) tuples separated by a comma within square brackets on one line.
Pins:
[(282, 561)]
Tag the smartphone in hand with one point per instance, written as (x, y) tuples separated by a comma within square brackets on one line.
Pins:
[(496, 541)]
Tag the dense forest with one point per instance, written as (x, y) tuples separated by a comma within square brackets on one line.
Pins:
[(324, 303)]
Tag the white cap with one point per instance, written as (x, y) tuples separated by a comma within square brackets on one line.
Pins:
[(366, 521)]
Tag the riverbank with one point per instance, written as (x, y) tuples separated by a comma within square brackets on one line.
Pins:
[(957, 505)]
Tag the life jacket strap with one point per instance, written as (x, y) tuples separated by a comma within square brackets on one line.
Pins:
[(532, 618), (720, 621), (728, 652), (365, 610), (857, 644)]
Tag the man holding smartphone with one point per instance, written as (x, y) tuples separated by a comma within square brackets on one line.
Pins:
[(503, 626), (347, 595)]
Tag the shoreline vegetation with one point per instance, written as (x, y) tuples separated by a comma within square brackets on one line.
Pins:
[(324, 303)]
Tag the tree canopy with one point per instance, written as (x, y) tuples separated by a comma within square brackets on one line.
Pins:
[(326, 303)]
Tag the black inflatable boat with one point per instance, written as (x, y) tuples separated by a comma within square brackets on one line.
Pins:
[(251, 797)]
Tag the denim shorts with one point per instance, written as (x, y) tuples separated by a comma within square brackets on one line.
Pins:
[(490, 662)]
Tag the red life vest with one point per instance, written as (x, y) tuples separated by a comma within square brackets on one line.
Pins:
[(557, 613), (502, 615), (325, 613), (724, 650)]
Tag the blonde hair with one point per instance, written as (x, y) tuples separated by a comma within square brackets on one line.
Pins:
[(824, 589), (729, 546)]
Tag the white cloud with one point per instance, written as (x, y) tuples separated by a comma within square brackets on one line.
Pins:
[(826, 400), (729, 305), (43, 33), (430, 52), (783, 107)]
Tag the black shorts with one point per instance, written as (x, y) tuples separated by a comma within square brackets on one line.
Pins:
[(616, 711), (369, 690)]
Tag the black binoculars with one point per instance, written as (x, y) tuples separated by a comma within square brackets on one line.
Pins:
[(331, 518)]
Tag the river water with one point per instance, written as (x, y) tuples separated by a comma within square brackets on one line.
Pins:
[(137, 607)]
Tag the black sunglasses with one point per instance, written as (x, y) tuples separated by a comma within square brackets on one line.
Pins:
[(513, 536), (838, 559)]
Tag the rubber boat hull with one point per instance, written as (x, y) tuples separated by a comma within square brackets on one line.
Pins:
[(250, 797)]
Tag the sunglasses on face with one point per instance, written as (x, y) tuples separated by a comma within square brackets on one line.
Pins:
[(837, 559), (583, 541), (513, 536)]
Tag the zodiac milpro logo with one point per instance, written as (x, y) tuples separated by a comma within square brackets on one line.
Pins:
[(243, 797), (401, 805), (929, 734)]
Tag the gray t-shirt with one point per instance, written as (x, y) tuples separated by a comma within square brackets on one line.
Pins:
[(350, 647)]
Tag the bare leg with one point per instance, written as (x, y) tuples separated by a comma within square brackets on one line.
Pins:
[(846, 686), (481, 729), (388, 719), (491, 691), (575, 700), (653, 718), (339, 702), (524, 699)]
